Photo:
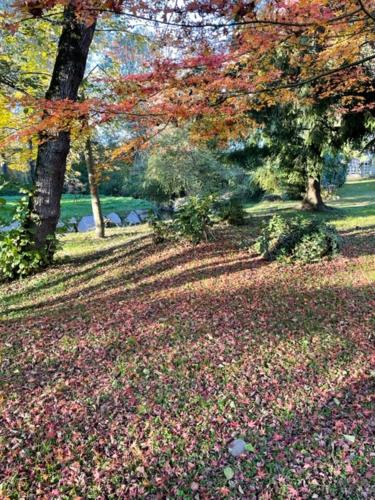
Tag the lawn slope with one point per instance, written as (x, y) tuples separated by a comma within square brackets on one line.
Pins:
[(128, 368)]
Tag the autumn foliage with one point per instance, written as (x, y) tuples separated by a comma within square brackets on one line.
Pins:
[(228, 58)]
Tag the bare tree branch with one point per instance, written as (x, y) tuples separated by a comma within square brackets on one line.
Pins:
[(366, 11)]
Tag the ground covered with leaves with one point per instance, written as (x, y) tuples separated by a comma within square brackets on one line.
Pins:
[(128, 368)]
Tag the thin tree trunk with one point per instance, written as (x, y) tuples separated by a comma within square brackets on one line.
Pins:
[(4, 169), (72, 52), (313, 198), (93, 185)]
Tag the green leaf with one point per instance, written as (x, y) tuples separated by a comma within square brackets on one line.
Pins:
[(229, 473), (250, 447), (349, 438)]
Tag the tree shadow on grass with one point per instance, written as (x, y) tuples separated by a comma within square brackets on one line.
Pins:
[(124, 259), (136, 279), (97, 254), (355, 212), (194, 352), (359, 241), (263, 311), (104, 258), (209, 363)]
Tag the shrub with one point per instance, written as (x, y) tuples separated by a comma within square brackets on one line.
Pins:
[(162, 231), (297, 239), (18, 255), (191, 222), (232, 212), (324, 242)]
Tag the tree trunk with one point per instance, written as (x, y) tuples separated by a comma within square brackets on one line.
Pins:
[(72, 52), (5, 169), (313, 199), (93, 185)]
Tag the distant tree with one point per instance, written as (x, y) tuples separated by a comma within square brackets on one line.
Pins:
[(181, 168), (93, 179), (133, 179), (300, 143)]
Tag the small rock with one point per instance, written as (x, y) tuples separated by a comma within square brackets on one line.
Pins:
[(237, 447)]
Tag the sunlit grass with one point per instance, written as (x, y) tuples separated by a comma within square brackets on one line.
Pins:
[(80, 205), (355, 206)]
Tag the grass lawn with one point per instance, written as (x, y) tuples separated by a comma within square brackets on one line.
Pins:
[(80, 205), (355, 206), (127, 368)]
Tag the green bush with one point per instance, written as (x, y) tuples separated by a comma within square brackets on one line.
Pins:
[(162, 231), (297, 239), (18, 255), (232, 212), (324, 242), (192, 222)]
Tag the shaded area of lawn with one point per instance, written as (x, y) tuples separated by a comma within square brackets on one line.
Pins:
[(137, 376), (127, 369)]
